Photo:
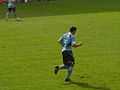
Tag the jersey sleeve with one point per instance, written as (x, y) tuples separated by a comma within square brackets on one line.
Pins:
[(73, 40)]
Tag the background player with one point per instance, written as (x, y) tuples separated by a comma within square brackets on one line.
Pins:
[(11, 7)]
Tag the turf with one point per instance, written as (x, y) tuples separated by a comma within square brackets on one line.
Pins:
[(29, 48)]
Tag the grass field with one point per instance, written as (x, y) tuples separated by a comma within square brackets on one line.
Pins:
[(29, 49)]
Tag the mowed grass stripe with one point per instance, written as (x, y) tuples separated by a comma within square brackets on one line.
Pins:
[(29, 51)]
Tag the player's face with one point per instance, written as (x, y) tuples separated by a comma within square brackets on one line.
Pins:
[(74, 32)]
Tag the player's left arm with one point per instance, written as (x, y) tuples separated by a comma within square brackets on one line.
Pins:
[(74, 44), (77, 44)]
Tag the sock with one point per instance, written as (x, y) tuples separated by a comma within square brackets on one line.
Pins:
[(15, 15), (7, 14), (63, 67), (69, 71)]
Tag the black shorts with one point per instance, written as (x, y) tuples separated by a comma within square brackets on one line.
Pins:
[(68, 58), (10, 9)]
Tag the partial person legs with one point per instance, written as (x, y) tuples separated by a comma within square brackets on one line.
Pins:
[(70, 68), (15, 15), (7, 14)]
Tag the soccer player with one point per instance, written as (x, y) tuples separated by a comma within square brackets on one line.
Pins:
[(66, 41), (10, 7)]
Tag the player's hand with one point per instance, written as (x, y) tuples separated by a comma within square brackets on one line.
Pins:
[(80, 43)]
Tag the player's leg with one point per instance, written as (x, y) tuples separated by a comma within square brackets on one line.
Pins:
[(70, 69), (14, 11), (70, 66), (15, 15), (56, 68), (8, 12), (64, 66)]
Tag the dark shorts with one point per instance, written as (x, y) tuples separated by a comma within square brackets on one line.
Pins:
[(68, 58), (10, 9)]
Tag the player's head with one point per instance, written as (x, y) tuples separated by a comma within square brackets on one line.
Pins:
[(73, 30)]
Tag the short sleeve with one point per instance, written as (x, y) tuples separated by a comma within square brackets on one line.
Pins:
[(73, 40)]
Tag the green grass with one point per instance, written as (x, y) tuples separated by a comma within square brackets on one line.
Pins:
[(29, 49), (63, 7)]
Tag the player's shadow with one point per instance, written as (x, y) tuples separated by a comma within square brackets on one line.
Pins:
[(86, 85)]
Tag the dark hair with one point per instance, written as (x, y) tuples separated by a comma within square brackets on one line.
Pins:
[(73, 29)]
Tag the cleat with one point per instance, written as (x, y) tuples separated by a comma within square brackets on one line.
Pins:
[(56, 69), (67, 80), (18, 19)]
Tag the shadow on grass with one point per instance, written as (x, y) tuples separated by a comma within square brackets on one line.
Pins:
[(85, 85)]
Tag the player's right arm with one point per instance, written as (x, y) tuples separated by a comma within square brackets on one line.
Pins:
[(60, 41)]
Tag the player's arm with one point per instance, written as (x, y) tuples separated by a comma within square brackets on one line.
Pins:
[(77, 44), (60, 40), (74, 44)]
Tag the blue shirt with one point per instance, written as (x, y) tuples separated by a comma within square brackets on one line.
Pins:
[(67, 40), (10, 4)]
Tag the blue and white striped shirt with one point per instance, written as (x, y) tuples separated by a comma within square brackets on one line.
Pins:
[(10, 4), (67, 40)]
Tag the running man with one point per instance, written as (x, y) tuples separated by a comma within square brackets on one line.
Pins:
[(67, 41)]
